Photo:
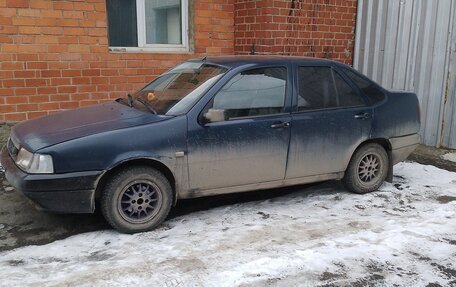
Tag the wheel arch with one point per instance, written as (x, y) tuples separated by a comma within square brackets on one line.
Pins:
[(386, 144), (150, 162)]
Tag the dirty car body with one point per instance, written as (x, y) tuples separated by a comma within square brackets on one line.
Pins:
[(212, 126)]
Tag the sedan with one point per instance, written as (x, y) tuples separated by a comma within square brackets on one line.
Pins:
[(213, 126)]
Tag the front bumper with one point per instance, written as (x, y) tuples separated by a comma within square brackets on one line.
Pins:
[(65, 193), (402, 147)]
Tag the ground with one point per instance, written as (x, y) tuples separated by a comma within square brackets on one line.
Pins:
[(314, 235), (439, 157)]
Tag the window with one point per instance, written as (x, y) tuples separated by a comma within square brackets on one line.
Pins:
[(147, 25), (175, 92), (322, 87), (253, 93), (370, 89), (346, 95)]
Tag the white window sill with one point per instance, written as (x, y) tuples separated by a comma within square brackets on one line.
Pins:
[(157, 50)]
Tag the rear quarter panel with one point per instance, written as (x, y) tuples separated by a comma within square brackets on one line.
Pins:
[(397, 116)]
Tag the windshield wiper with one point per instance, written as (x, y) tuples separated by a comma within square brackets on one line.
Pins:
[(147, 105), (130, 100), (123, 101)]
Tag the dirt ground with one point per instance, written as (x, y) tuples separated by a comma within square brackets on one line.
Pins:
[(22, 224), (433, 156)]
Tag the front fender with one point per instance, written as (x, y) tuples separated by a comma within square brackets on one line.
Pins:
[(174, 169)]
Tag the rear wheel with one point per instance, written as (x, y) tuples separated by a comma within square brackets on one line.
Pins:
[(136, 199), (367, 169)]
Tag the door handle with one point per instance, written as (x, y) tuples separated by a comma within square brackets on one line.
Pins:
[(280, 125), (362, 116)]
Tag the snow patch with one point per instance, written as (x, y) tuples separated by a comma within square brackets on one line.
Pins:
[(403, 234), (451, 156)]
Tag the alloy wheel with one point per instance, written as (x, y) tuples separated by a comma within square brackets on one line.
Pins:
[(369, 168), (139, 202)]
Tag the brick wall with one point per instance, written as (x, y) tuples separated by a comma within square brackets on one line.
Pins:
[(54, 54), (315, 28)]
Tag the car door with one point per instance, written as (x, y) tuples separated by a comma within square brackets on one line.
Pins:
[(243, 134), (330, 119)]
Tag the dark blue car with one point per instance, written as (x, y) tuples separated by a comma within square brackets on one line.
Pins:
[(212, 126)]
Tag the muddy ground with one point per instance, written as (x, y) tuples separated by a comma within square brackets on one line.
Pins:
[(22, 224)]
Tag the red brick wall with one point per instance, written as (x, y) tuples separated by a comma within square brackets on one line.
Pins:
[(54, 54), (315, 28)]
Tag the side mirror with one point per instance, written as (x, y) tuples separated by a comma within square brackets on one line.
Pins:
[(214, 115)]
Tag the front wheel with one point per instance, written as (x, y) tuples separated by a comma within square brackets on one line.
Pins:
[(367, 169), (136, 199)]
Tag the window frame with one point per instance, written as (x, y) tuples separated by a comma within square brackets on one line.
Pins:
[(286, 103), (334, 70), (362, 76), (156, 48)]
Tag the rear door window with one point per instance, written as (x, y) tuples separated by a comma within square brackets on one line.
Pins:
[(322, 88), (369, 88)]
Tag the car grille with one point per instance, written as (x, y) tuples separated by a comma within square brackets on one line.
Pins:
[(12, 149)]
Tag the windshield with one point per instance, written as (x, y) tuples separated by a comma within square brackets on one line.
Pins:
[(176, 91)]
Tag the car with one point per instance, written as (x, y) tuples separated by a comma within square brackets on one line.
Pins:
[(211, 126)]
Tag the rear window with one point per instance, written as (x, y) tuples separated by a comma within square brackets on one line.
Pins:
[(322, 88), (370, 89)]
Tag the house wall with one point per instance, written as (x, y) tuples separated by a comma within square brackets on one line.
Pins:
[(54, 53), (314, 28)]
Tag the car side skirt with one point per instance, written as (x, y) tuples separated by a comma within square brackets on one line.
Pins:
[(264, 185)]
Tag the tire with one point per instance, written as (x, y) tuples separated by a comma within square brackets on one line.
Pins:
[(367, 169), (136, 199)]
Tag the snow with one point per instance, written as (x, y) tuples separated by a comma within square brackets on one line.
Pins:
[(403, 234), (451, 156)]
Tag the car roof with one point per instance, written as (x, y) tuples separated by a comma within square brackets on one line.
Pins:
[(240, 60)]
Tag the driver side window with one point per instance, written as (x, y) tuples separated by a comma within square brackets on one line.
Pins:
[(251, 93)]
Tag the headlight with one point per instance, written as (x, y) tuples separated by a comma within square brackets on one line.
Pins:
[(34, 163)]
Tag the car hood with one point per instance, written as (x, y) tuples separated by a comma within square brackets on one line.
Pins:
[(63, 126)]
